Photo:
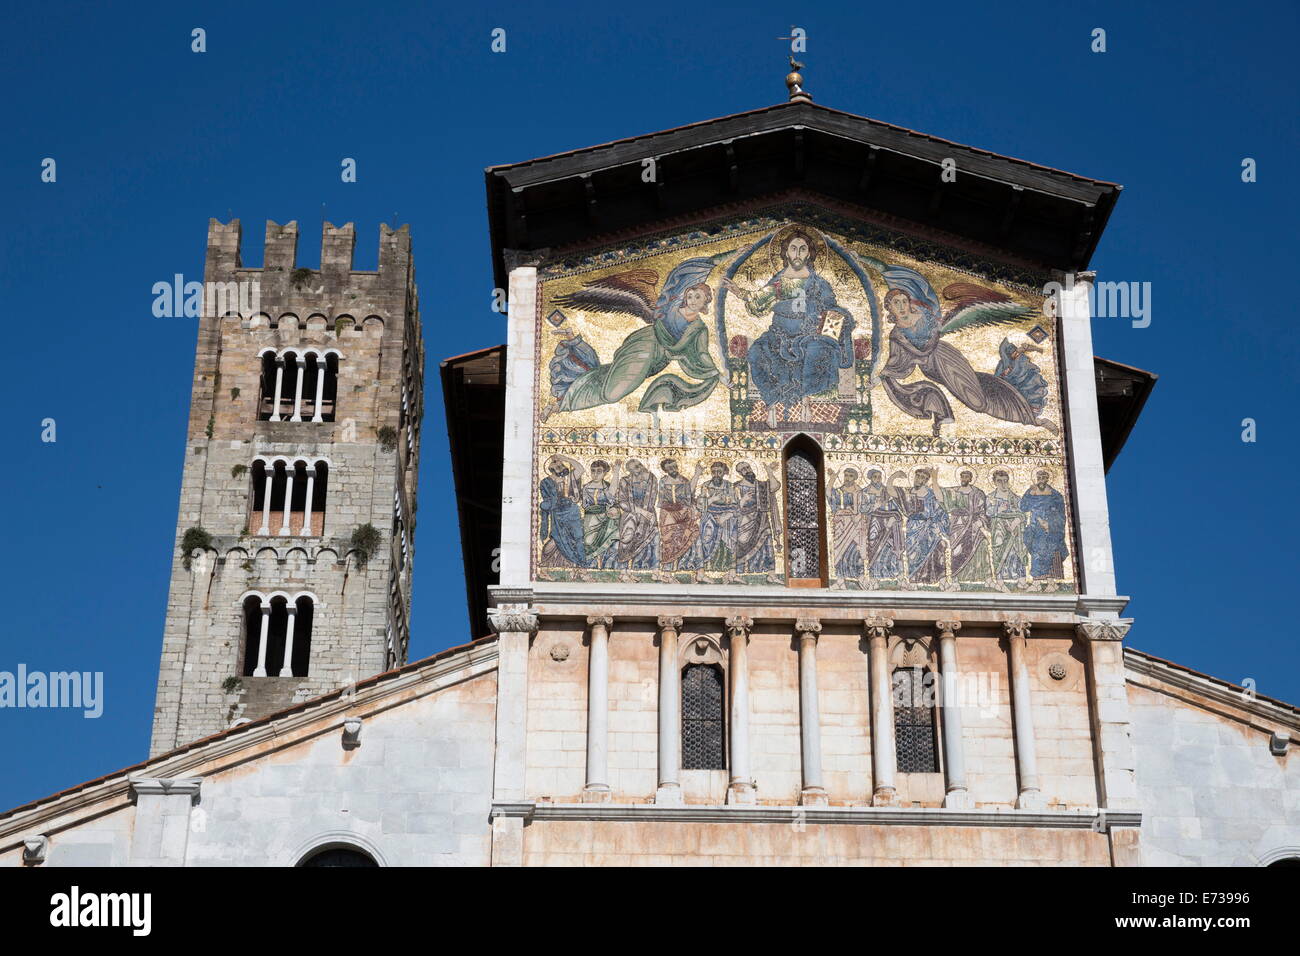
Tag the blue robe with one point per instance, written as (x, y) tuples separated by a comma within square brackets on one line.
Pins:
[(561, 521), (1023, 375), (1046, 547), (792, 359)]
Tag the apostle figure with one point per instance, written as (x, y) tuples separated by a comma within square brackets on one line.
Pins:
[(1006, 530), (715, 501), (968, 531), (1045, 530), (599, 517), (927, 526), (884, 554), (848, 526), (796, 358), (679, 522), (638, 528), (560, 525), (756, 516)]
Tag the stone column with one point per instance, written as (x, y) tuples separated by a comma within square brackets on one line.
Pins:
[(810, 721), (1092, 555), (269, 470), (297, 390), (311, 491), (1111, 730), (884, 757), (515, 625), (1030, 798), (517, 488), (954, 754), (322, 367), (161, 833), (279, 385), (597, 788), (289, 469), (670, 713), (260, 669), (741, 789), (286, 667)]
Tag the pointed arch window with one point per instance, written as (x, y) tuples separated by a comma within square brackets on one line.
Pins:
[(805, 515), (703, 723)]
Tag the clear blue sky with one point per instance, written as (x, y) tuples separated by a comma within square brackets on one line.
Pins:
[(151, 140)]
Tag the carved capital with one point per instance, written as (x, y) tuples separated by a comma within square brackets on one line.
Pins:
[(1017, 627), (600, 620), (514, 258), (513, 619), (739, 626), (808, 625), (670, 622), (878, 626), (947, 628), (1103, 630)]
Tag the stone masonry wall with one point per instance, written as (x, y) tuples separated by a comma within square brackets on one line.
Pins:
[(361, 609)]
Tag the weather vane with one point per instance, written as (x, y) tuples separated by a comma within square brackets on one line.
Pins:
[(794, 83)]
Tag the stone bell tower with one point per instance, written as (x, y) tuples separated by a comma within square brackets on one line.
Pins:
[(291, 571)]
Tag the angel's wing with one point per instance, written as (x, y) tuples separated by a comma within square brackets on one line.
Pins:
[(623, 293), (975, 306)]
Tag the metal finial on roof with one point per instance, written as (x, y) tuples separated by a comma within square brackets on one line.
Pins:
[(794, 83)]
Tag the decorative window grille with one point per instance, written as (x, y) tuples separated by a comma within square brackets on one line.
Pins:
[(803, 515), (702, 720), (914, 722)]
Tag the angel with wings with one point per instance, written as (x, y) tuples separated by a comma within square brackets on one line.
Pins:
[(916, 341), (673, 332)]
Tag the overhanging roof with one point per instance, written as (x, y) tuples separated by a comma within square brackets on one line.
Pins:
[(1030, 212), (1122, 391)]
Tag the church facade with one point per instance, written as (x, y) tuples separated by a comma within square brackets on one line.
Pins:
[(786, 541)]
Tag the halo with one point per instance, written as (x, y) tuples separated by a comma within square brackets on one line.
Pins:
[(781, 238)]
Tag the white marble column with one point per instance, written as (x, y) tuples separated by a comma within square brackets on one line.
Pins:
[(597, 787), (260, 669), (884, 758), (1092, 555), (311, 491), (810, 721), (1030, 797), (515, 625), (297, 390), (741, 789), (286, 667), (956, 795), (322, 367), (289, 469), (670, 713), (279, 385), (269, 470)]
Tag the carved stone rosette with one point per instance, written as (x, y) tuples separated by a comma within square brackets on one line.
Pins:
[(513, 619), (1103, 630)]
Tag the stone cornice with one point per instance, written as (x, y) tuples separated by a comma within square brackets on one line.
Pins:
[(648, 601), (165, 786), (863, 816), (1212, 689)]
